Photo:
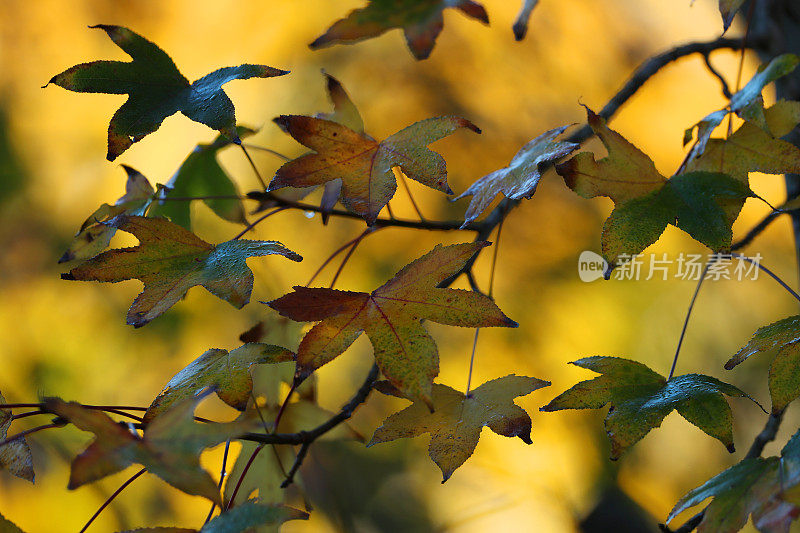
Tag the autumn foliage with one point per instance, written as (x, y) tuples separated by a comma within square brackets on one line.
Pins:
[(272, 388)]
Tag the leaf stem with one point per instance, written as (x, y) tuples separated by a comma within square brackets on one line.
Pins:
[(253, 166), (268, 150), (258, 221), (222, 475), (689, 314), (111, 498), (399, 176), (348, 255), (769, 273), (23, 434)]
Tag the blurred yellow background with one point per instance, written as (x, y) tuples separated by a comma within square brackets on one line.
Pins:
[(69, 339)]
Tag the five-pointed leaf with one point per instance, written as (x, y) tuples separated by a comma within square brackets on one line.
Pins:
[(156, 90), (520, 178), (94, 236), (363, 164), (391, 317), (169, 260), (200, 175), (456, 421), (746, 103), (420, 20), (757, 487), (15, 456), (227, 372), (169, 448), (640, 399), (783, 339), (703, 204)]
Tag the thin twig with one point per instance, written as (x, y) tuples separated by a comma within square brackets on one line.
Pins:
[(331, 257), (253, 166), (689, 314), (258, 221), (111, 498), (348, 255), (399, 176), (298, 461), (268, 150), (23, 434), (222, 475), (770, 274)]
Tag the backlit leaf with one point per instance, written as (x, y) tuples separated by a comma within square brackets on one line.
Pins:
[(156, 90), (94, 236), (420, 20), (169, 447), (520, 178), (753, 487), (640, 399), (200, 175), (227, 372), (456, 421), (391, 317), (364, 165), (703, 204), (169, 260), (783, 339), (16, 455)]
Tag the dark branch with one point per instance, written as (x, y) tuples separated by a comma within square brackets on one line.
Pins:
[(307, 437)]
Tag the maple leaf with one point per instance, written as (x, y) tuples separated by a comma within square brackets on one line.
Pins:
[(200, 175), (640, 399), (363, 164), (520, 178), (703, 204), (391, 317), (15, 456), (156, 90), (169, 260), (169, 447), (227, 372), (757, 487), (94, 236), (728, 8), (783, 339), (456, 422), (752, 149), (420, 20), (746, 102)]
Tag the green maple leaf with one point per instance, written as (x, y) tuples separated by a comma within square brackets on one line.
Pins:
[(703, 204), (391, 317), (156, 90), (746, 102), (94, 235), (640, 399), (15, 456), (169, 447), (364, 165), (200, 175), (227, 372), (783, 339), (762, 488), (456, 421), (521, 177), (169, 260), (420, 20)]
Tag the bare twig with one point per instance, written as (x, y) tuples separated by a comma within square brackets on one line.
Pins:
[(111, 498)]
